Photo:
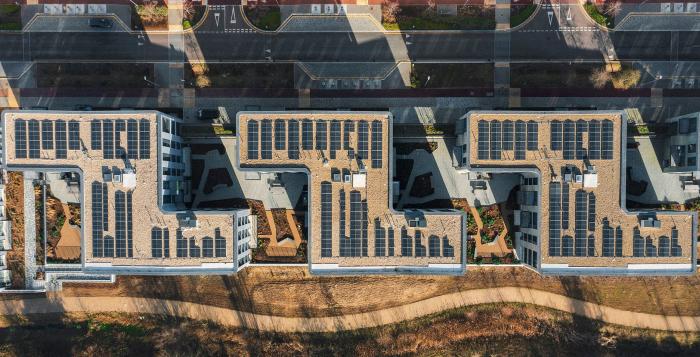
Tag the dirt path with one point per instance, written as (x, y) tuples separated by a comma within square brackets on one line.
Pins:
[(414, 310)]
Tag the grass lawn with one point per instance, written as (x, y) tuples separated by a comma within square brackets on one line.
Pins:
[(482, 330), (452, 75), (551, 75), (93, 75), (420, 18), (264, 17), (599, 17), (236, 75), (10, 17), (520, 13)]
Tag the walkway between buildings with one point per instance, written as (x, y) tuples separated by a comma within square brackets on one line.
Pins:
[(414, 310)]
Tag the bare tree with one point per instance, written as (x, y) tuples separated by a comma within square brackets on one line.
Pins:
[(600, 78), (613, 8), (389, 11)]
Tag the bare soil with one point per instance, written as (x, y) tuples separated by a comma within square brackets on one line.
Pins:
[(292, 291), (506, 330), (14, 195)]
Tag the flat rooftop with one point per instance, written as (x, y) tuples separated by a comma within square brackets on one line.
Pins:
[(121, 226), (347, 156), (582, 223)]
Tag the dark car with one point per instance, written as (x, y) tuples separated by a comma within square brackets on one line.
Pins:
[(101, 23), (83, 108), (208, 114)]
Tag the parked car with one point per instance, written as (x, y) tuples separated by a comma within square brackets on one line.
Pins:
[(101, 22), (83, 108), (208, 114)]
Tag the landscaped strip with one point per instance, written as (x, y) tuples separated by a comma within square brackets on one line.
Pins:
[(521, 14), (230, 317)]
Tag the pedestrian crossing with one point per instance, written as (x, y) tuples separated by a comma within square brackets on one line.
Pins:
[(566, 29), (240, 30)]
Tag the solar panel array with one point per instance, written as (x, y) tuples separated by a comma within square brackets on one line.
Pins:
[(97, 232), (160, 243), (60, 137), (567, 246), (280, 134), (207, 247), (144, 139), (376, 144), (434, 246), (580, 224), (568, 145), (532, 135), (419, 250), (495, 129), (293, 144), (341, 213), (644, 246), (379, 239), (363, 140), (569, 137), (348, 128), (96, 135), (335, 138), (555, 135), (20, 139), (520, 140), (507, 135), (307, 135), (132, 139), (581, 129), (356, 243), (108, 139), (406, 243), (120, 223), (555, 219), (676, 250), (47, 135), (321, 135), (252, 140), (326, 219)]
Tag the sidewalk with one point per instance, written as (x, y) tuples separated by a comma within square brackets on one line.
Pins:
[(392, 315)]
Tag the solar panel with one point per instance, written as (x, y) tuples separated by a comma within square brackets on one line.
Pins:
[(483, 141), (47, 135), (280, 134), (220, 245), (591, 245), (676, 250), (307, 135), (608, 240), (606, 151), (567, 246), (376, 144), (108, 139), (390, 241), (352, 246), (569, 140), (180, 245), (20, 139), (420, 248), (97, 246), (591, 211), (73, 135), (166, 242), (61, 149), (266, 139), (34, 141), (144, 139), (252, 140), (637, 244), (447, 249), (664, 247), (594, 140), (555, 219), (293, 145), (618, 242), (520, 140), (349, 127), (406, 243), (208, 246), (365, 227), (341, 213), (532, 136), (326, 219), (649, 247), (379, 239), (507, 135), (580, 224), (433, 246), (555, 135), (156, 243), (335, 138), (321, 135), (96, 135), (363, 140), (195, 250), (109, 246), (565, 206), (581, 128), (130, 228), (132, 139), (105, 207), (120, 221), (495, 140), (119, 127)]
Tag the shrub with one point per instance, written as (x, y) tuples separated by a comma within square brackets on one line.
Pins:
[(390, 10), (626, 78), (600, 78)]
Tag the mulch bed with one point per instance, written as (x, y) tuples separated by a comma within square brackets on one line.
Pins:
[(14, 194), (422, 185), (493, 223), (256, 207), (281, 224)]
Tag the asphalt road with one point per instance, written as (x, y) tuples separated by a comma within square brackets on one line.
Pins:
[(345, 47)]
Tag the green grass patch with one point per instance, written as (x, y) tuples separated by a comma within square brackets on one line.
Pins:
[(420, 18), (186, 24), (523, 13), (598, 16), (8, 9), (10, 18), (266, 18), (10, 26)]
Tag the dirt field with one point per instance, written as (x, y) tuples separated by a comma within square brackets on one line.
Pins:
[(292, 291), (506, 330), (14, 193)]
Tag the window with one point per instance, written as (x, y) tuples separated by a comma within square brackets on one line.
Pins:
[(687, 125)]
